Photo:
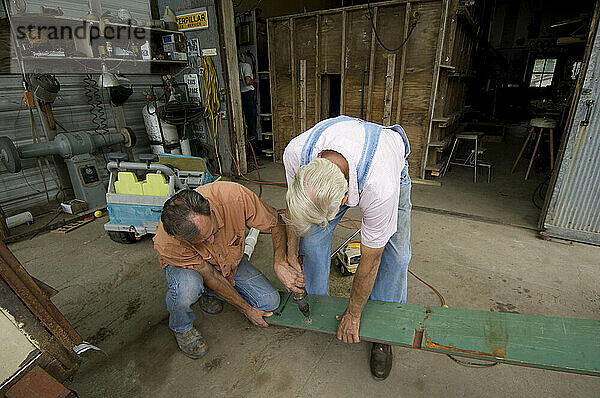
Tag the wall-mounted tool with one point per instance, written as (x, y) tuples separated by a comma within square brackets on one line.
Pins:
[(75, 148)]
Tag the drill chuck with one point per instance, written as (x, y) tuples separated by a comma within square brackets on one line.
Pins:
[(302, 300)]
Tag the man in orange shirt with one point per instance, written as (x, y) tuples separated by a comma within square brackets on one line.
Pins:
[(200, 245)]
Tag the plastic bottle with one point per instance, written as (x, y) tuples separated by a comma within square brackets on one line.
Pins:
[(170, 19)]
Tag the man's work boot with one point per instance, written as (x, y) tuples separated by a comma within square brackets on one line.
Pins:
[(381, 360), (192, 343), (210, 304)]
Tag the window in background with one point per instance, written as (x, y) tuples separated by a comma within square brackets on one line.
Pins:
[(543, 72)]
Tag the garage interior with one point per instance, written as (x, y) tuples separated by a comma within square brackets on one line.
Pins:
[(484, 80)]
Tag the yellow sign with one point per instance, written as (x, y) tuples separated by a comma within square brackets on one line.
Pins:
[(192, 21)]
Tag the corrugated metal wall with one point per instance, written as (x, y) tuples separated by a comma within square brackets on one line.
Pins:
[(23, 190), (574, 207)]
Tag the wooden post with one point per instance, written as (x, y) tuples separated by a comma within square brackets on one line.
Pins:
[(272, 85), (449, 46), (4, 233), (343, 63), (325, 98), (294, 79), (403, 64), (302, 95), (228, 46), (389, 89), (371, 67), (119, 116), (317, 71), (59, 163)]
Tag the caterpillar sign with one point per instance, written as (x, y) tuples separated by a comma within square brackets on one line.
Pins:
[(192, 21)]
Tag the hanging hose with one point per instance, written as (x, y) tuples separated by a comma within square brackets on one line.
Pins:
[(180, 112), (92, 92)]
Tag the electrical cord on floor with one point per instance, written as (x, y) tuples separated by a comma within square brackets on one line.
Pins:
[(540, 191), (257, 169), (470, 364), (59, 212), (280, 183)]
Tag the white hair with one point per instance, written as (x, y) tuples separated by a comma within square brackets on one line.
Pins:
[(315, 195)]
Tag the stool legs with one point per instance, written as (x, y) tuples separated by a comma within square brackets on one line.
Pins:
[(537, 144), (476, 152), (450, 157), (522, 150)]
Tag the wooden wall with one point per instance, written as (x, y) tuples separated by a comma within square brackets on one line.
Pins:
[(384, 87)]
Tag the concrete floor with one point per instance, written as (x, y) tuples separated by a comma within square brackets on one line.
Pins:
[(507, 198), (114, 296)]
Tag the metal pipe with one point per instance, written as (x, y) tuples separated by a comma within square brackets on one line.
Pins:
[(68, 145), (115, 166), (41, 149)]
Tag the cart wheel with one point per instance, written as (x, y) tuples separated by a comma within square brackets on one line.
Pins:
[(122, 237), (336, 262), (344, 270), (341, 267)]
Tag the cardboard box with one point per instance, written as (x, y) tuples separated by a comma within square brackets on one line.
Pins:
[(74, 206)]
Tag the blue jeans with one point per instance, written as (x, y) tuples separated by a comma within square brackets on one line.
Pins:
[(186, 286), (390, 283)]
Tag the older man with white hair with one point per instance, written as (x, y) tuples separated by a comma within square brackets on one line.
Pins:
[(340, 163)]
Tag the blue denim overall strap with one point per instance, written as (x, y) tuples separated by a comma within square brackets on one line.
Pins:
[(398, 129), (372, 133), (315, 133)]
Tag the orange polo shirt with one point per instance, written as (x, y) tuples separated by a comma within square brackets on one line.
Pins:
[(234, 207)]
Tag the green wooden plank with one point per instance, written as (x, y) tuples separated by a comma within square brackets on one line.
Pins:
[(389, 323), (563, 344)]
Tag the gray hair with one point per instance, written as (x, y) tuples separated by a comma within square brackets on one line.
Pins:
[(315, 195)]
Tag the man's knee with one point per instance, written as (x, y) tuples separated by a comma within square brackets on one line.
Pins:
[(185, 285), (270, 302)]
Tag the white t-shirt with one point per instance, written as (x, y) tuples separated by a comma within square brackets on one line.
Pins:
[(245, 70), (381, 190)]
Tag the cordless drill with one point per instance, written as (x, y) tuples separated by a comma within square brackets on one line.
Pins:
[(302, 298)]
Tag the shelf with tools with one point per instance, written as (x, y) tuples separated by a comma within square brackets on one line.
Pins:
[(62, 44), (60, 20), (56, 64)]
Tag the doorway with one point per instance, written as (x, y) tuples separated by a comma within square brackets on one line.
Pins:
[(331, 88)]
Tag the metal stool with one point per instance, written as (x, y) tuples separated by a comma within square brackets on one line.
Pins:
[(542, 124), (473, 159)]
